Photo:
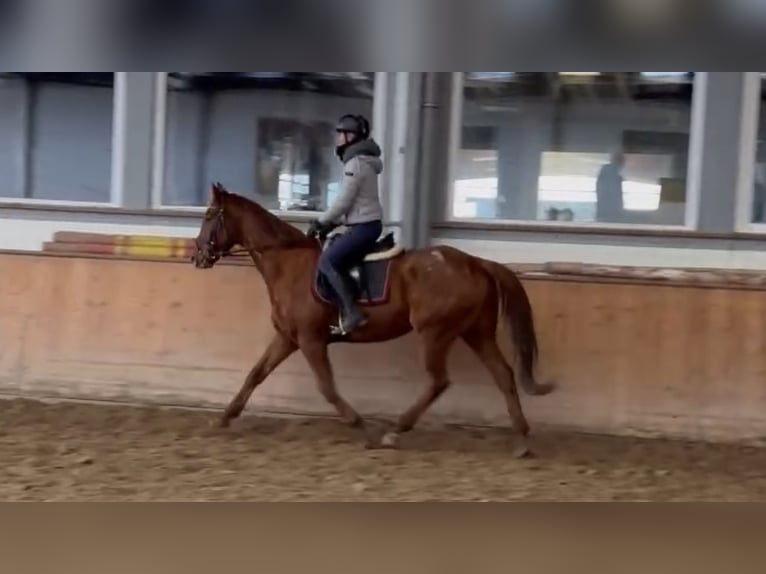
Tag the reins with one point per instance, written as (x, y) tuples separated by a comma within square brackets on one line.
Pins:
[(220, 227), (235, 252)]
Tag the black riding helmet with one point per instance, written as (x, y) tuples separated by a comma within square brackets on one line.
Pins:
[(355, 126)]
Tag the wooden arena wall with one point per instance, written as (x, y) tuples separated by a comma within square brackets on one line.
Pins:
[(641, 352)]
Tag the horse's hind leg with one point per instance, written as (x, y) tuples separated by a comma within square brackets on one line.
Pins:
[(277, 352), (486, 348), (435, 349)]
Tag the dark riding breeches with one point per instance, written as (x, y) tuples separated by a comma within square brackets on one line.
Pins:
[(350, 248)]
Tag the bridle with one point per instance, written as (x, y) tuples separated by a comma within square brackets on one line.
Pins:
[(212, 248)]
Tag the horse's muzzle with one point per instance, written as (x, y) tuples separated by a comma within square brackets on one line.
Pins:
[(203, 259)]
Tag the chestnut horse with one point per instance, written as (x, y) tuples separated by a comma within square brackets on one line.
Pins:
[(441, 293)]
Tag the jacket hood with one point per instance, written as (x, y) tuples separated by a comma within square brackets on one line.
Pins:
[(367, 151)]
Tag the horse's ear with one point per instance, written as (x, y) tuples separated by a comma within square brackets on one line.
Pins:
[(216, 194)]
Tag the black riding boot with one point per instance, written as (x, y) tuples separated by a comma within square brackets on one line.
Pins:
[(352, 316)]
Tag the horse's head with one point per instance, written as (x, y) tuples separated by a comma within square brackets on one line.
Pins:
[(216, 237)]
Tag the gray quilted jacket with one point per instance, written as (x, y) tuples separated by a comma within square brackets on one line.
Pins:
[(359, 199)]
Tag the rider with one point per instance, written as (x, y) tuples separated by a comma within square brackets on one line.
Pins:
[(357, 206)]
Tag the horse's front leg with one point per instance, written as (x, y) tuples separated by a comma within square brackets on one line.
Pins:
[(317, 356), (279, 349)]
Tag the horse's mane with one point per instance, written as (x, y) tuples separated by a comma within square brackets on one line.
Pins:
[(283, 235)]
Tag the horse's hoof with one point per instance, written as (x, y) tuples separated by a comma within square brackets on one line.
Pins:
[(357, 423), (543, 389), (390, 440), (224, 422), (522, 451)]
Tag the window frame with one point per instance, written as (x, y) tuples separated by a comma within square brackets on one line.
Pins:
[(25, 159), (748, 150), (445, 218), (159, 146)]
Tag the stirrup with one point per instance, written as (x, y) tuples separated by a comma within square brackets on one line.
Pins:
[(338, 330)]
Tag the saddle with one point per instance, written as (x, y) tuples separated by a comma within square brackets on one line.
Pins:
[(370, 277), (385, 248)]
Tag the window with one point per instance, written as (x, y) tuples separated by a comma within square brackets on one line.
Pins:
[(56, 136), (266, 135), (586, 147), (759, 184)]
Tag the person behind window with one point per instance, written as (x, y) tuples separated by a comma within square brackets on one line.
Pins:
[(609, 205)]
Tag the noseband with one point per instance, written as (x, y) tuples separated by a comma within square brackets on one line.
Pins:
[(211, 242), (219, 228)]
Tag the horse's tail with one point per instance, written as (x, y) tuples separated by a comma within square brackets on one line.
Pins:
[(516, 309)]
